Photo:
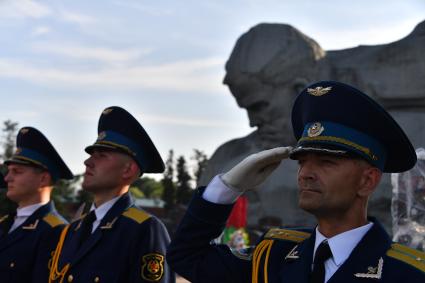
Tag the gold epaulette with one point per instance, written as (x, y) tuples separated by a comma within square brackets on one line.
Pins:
[(288, 235), (53, 220), (136, 214), (408, 255)]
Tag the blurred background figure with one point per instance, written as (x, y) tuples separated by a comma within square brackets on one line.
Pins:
[(408, 205)]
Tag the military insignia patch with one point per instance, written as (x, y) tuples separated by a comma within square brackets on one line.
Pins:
[(3, 218), (107, 111), (101, 136), (372, 272), (153, 267), (293, 254), (24, 131), (315, 130), (319, 91)]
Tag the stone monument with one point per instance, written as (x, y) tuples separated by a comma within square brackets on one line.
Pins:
[(271, 63)]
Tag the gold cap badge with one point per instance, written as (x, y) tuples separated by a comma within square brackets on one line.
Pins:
[(318, 90), (315, 130), (101, 136), (107, 111), (24, 131)]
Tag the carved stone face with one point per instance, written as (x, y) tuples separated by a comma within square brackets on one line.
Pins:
[(269, 108)]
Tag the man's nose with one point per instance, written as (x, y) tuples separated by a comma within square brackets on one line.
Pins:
[(89, 162), (306, 171)]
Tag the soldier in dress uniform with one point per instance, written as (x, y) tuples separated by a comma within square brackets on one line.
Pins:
[(116, 241), (27, 233), (345, 142)]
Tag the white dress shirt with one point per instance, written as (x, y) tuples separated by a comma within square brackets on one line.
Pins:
[(341, 246), (23, 213), (101, 211)]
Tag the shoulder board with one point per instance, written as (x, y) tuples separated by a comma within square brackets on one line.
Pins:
[(408, 255), (53, 220), (136, 214), (287, 235)]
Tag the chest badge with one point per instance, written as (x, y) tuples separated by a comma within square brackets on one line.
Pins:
[(372, 272), (293, 254)]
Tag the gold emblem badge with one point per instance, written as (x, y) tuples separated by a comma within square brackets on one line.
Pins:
[(23, 131), (101, 136), (315, 130), (32, 226), (318, 90), (153, 267), (293, 254), (372, 272), (109, 225), (4, 218), (107, 111), (18, 151)]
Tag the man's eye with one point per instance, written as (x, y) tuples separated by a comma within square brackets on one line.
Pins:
[(328, 161)]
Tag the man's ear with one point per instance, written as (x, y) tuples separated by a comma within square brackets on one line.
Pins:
[(131, 170), (45, 179), (369, 181)]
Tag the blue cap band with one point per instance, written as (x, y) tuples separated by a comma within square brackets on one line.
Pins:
[(324, 132), (38, 159), (114, 139)]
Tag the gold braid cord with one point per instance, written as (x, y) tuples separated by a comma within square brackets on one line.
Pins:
[(263, 248), (54, 261)]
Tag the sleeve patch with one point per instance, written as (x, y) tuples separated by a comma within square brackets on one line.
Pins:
[(288, 235), (53, 220), (137, 215), (408, 255), (152, 267)]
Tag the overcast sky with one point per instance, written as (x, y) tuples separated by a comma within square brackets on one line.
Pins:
[(63, 62)]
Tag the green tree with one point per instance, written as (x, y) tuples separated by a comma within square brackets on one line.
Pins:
[(9, 136), (8, 143), (169, 188), (201, 160), (150, 188), (184, 190), (65, 194)]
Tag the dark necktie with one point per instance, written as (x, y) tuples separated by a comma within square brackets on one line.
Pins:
[(323, 252), (87, 226)]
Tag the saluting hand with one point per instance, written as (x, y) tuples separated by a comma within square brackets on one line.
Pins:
[(254, 169)]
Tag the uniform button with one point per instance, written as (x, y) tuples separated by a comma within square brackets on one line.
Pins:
[(96, 279), (70, 278), (12, 265)]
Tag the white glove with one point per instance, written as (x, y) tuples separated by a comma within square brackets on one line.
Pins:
[(254, 169)]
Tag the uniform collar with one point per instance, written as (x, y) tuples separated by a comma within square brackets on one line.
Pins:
[(104, 208), (28, 210), (343, 244)]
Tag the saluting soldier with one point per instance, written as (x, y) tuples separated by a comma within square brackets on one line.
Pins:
[(26, 235), (115, 241), (345, 142)]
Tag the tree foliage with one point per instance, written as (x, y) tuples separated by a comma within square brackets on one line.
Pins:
[(8, 143), (148, 188), (183, 189), (201, 160), (169, 188)]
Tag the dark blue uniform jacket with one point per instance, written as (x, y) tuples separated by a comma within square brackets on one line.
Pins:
[(20, 249), (128, 246), (282, 255)]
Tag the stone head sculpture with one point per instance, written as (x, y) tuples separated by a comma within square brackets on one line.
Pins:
[(268, 66)]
